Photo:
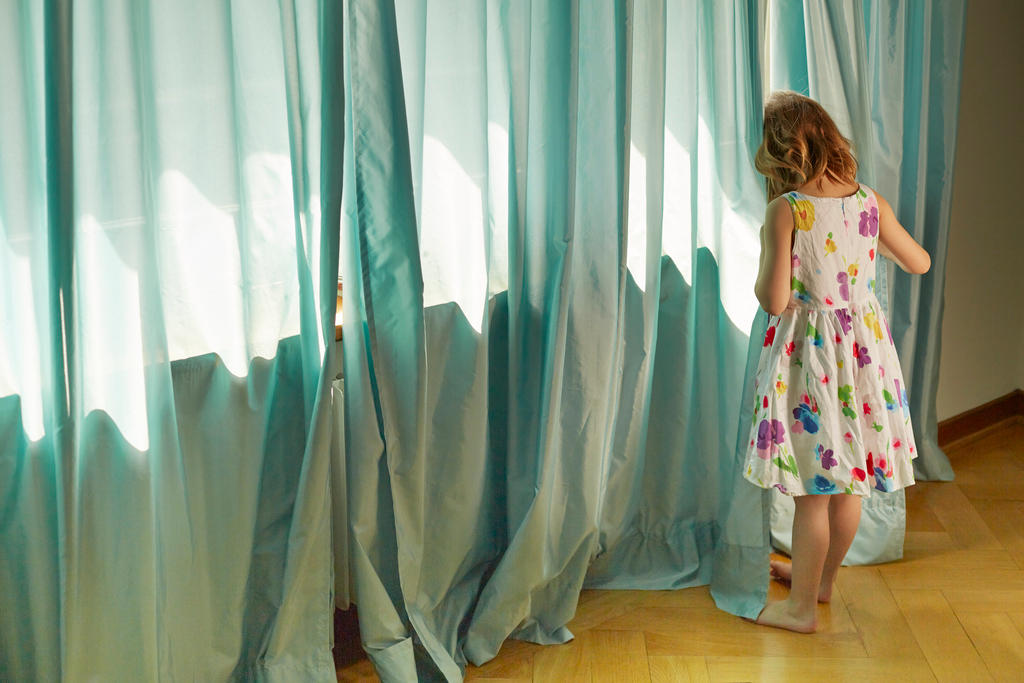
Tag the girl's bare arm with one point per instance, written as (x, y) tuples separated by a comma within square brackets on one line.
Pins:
[(896, 244), (774, 277)]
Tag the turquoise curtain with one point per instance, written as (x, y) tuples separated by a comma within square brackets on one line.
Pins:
[(889, 72), (550, 222), (170, 191)]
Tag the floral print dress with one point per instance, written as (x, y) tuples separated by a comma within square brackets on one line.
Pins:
[(831, 412)]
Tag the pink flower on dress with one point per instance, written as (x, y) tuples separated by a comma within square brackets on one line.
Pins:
[(848, 437)]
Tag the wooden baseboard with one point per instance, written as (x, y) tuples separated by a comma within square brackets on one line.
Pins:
[(979, 419)]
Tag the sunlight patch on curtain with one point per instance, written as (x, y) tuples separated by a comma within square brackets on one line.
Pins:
[(113, 382), (636, 249), (20, 367), (451, 234), (677, 242)]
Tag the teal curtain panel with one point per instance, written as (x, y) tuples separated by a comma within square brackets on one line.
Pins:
[(170, 193)]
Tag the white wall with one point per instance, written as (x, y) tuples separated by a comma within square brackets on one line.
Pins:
[(983, 327)]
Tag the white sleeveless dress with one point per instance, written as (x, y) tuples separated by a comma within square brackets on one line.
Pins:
[(831, 412)]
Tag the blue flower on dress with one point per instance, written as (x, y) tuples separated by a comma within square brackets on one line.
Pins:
[(806, 416), (820, 484)]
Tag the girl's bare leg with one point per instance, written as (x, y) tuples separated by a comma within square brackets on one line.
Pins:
[(844, 518), (798, 612)]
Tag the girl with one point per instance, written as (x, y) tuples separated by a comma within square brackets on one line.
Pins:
[(831, 419)]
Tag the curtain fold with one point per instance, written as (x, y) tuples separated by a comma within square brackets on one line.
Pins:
[(168, 256)]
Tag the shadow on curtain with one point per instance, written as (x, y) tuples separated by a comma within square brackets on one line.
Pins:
[(169, 215)]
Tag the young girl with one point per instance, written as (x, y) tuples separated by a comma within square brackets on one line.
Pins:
[(831, 420)]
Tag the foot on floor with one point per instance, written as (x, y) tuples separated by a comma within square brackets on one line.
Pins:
[(779, 615), (782, 572)]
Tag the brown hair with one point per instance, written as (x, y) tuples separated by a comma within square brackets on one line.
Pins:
[(801, 143)]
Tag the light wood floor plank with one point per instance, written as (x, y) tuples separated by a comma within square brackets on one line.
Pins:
[(984, 600), (1018, 620), (927, 541), (670, 669), (959, 518), (938, 560), (514, 660), (567, 662), (752, 641), (882, 670), (835, 617), (920, 516), (617, 657), (999, 642), (902, 577), (597, 606), (882, 626), (946, 646), (1006, 520), (698, 596)]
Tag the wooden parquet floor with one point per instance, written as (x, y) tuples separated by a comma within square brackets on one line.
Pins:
[(951, 610)]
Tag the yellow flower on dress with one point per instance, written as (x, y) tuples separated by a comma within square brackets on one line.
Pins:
[(871, 321), (830, 245), (803, 213), (780, 387), (852, 270)]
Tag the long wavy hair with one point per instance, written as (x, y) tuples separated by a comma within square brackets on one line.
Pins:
[(801, 144)]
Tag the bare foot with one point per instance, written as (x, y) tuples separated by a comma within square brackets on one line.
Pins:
[(783, 573), (778, 614)]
